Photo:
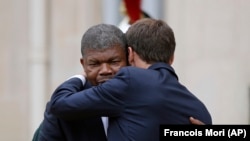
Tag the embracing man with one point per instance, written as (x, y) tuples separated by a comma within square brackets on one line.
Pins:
[(138, 98)]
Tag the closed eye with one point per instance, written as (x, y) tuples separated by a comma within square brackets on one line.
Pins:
[(115, 61), (94, 64)]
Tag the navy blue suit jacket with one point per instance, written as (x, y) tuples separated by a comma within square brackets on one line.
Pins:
[(55, 129), (136, 100)]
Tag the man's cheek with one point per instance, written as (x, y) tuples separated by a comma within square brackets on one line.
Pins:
[(91, 78)]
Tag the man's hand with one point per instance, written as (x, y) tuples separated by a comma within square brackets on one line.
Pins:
[(196, 121)]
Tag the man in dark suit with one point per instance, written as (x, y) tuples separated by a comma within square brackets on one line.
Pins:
[(103, 47), (104, 50), (140, 97)]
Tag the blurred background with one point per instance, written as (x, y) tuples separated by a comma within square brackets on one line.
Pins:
[(40, 48)]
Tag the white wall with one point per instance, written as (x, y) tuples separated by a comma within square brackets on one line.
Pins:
[(212, 54)]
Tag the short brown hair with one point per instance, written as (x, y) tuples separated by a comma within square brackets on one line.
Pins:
[(153, 40)]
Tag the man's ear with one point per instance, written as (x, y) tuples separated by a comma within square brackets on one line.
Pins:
[(171, 60), (130, 55), (82, 62)]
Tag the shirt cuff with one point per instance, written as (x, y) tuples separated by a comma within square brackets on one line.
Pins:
[(81, 77)]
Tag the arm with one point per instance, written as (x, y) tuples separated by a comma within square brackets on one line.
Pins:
[(103, 100), (196, 121)]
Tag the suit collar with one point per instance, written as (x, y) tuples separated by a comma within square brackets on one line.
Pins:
[(161, 65)]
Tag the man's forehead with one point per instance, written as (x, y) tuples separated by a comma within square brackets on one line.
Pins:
[(107, 53), (94, 50)]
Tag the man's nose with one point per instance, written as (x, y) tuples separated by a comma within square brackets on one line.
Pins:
[(106, 69)]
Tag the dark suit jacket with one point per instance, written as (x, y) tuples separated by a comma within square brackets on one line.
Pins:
[(54, 129), (137, 101)]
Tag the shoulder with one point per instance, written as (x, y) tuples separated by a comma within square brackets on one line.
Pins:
[(127, 73), (73, 81), (135, 71), (129, 69), (77, 78)]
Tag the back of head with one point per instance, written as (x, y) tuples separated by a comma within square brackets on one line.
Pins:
[(153, 40), (103, 36)]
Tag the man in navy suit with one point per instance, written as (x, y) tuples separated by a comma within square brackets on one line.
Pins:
[(102, 44), (105, 53), (140, 97)]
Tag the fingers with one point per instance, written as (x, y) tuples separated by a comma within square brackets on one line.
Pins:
[(196, 121)]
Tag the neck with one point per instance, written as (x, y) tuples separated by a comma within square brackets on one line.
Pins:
[(138, 62)]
